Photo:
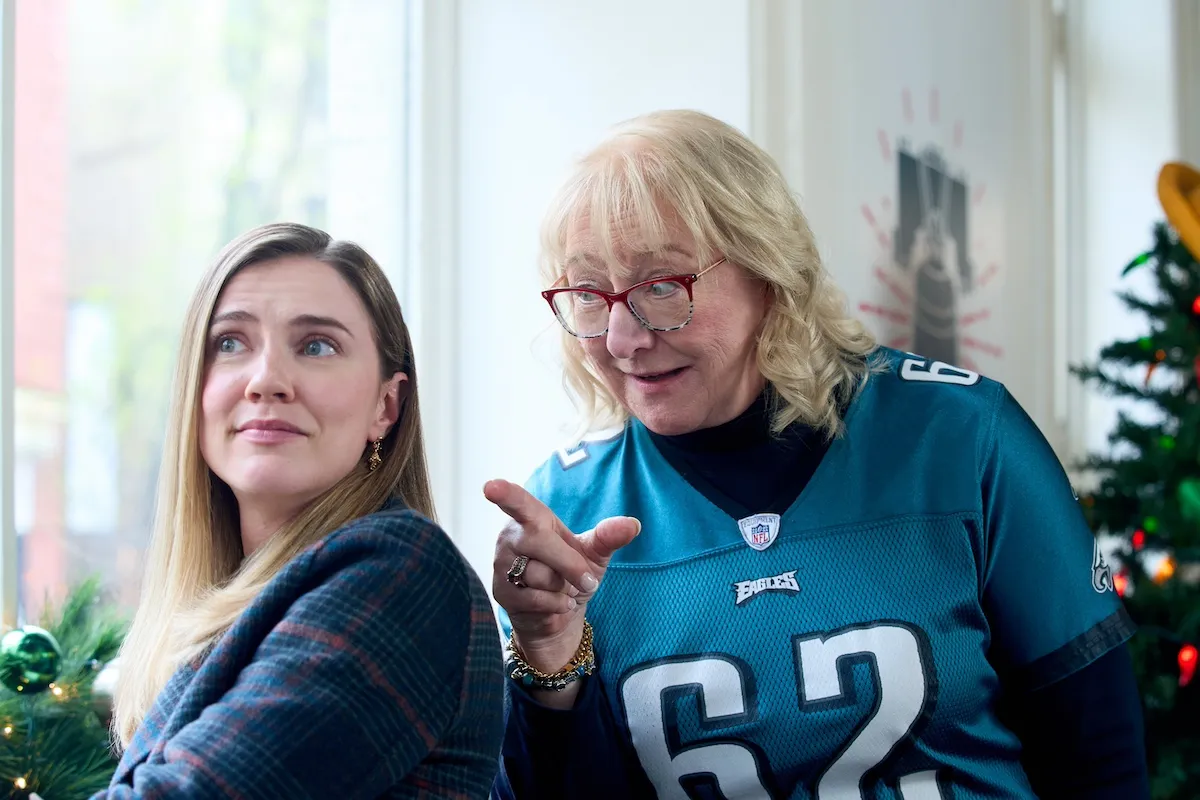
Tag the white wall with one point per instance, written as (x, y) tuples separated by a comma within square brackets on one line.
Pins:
[(540, 81)]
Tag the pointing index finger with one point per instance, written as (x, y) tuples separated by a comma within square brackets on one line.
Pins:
[(543, 535), (526, 510)]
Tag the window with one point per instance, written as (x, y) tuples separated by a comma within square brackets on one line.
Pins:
[(146, 134), (1116, 126)]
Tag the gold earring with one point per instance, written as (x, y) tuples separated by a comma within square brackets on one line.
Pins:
[(376, 458)]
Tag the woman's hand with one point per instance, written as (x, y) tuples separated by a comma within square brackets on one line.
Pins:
[(547, 602)]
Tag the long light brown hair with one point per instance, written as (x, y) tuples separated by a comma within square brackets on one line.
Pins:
[(197, 582), (733, 199)]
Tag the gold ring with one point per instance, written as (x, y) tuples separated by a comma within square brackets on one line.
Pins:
[(517, 571)]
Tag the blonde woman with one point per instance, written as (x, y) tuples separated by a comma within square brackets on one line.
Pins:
[(305, 629), (801, 565)]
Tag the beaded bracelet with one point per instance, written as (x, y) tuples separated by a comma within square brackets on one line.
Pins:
[(529, 676)]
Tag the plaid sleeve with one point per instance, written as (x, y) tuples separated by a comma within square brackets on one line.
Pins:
[(371, 664)]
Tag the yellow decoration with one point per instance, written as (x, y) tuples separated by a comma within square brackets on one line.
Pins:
[(1179, 194)]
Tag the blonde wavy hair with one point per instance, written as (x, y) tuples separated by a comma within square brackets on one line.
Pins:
[(197, 582), (735, 202)]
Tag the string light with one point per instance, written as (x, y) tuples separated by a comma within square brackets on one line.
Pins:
[(20, 783), (1196, 305), (1165, 570), (1121, 583), (1139, 539), (1187, 664)]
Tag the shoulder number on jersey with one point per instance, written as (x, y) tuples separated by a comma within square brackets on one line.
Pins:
[(922, 370), (577, 453)]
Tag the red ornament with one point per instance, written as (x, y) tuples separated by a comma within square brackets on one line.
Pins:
[(1139, 539), (1196, 305), (1187, 664)]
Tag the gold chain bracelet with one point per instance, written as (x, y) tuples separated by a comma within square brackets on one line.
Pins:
[(529, 676)]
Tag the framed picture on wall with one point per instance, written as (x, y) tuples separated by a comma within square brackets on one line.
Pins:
[(918, 137)]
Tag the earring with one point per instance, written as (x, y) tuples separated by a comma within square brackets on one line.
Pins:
[(376, 458)]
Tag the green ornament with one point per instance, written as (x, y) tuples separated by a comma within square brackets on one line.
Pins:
[(29, 660), (1166, 442), (1189, 498), (1150, 524)]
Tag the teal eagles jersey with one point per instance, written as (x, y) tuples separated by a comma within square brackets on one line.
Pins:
[(855, 646)]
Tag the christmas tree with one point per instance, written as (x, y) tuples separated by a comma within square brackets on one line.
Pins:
[(54, 738), (1147, 487)]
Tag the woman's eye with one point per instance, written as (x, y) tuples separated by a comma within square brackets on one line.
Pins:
[(319, 347), (228, 345), (664, 289)]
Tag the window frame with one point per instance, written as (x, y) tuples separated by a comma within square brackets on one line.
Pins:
[(431, 281), (8, 534)]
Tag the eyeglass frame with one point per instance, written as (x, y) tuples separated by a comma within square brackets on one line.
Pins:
[(613, 298)]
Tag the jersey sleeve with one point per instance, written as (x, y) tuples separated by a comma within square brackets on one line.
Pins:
[(1048, 594)]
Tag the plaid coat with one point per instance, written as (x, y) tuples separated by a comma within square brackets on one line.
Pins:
[(370, 666)]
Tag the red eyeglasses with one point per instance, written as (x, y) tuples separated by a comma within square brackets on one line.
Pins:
[(660, 304)]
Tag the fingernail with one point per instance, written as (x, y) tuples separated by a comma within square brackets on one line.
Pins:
[(572, 591), (571, 604), (588, 583)]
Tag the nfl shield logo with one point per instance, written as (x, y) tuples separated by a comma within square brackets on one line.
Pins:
[(760, 530)]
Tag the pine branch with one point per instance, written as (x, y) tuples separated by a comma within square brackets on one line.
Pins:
[(1113, 386), (1141, 436), (1129, 353), (1153, 310)]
